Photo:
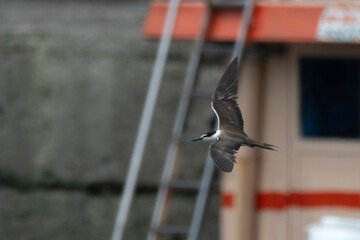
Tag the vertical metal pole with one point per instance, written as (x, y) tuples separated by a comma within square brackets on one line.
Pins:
[(201, 200), (145, 122), (203, 193), (178, 127), (243, 30)]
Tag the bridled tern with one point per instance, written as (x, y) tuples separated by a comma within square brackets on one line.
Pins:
[(230, 135)]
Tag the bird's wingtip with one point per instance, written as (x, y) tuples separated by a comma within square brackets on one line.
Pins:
[(236, 59)]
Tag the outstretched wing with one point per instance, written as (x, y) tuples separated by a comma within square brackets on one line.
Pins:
[(223, 154), (224, 98)]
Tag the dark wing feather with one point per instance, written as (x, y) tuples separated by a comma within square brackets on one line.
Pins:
[(224, 98), (223, 154)]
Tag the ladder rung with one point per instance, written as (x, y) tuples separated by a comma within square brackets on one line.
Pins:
[(217, 48), (227, 4), (202, 93), (172, 229), (184, 184)]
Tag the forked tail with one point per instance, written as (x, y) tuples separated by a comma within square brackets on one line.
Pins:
[(253, 143)]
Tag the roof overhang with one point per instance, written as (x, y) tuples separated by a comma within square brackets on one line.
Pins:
[(272, 22)]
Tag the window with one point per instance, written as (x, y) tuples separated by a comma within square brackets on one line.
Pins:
[(330, 99)]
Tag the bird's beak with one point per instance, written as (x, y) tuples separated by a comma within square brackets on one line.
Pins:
[(197, 139)]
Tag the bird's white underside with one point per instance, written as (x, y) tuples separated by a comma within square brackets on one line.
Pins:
[(213, 138)]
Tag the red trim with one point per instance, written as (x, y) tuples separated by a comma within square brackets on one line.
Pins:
[(280, 201), (227, 200), (276, 201), (272, 22)]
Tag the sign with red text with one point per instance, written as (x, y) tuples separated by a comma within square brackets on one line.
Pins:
[(339, 24)]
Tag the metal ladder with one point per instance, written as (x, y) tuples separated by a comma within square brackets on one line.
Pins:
[(188, 93)]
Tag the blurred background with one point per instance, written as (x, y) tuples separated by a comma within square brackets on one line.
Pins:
[(73, 81), (74, 76)]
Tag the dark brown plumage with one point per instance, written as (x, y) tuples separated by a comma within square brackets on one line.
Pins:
[(230, 135)]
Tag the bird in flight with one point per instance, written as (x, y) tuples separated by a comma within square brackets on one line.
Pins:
[(230, 135)]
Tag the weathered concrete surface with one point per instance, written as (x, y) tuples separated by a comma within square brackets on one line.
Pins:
[(73, 82), (55, 215), (73, 79), (59, 215)]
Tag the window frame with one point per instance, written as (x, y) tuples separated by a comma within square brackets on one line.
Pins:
[(316, 145)]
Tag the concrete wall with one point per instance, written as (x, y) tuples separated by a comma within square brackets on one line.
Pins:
[(73, 78)]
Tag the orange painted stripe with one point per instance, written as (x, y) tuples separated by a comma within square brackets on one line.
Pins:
[(280, 201), (272, 22), (227, 200)]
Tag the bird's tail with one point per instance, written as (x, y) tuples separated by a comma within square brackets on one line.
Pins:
[(253, 143)]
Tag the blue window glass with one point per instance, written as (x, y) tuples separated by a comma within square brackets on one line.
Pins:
[(330, 99)]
